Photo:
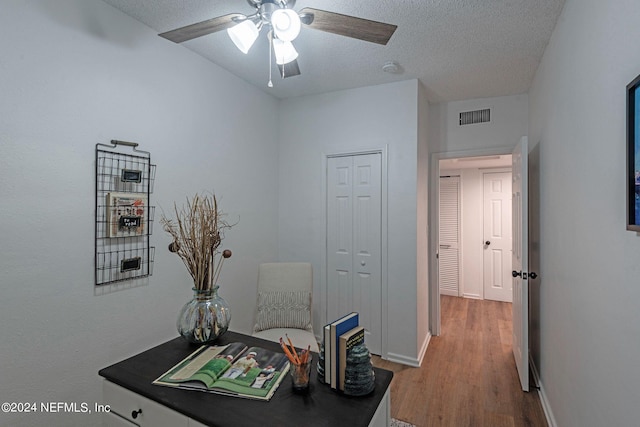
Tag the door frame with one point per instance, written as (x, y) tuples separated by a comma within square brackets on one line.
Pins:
[(434, 224), (383, 151)]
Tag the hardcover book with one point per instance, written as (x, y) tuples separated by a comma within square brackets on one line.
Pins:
[(338, 328), (348, 340), (233, 369), (327, 353)]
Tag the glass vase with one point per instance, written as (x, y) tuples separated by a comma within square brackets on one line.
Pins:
[(205, 318)]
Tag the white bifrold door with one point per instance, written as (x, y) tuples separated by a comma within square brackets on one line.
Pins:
[(354, 265), (449, 236), (520, 306), (497, 231)]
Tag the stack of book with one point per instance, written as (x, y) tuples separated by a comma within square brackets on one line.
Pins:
[(340, 337)]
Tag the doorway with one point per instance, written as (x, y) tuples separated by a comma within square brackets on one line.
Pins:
[(474, 247), (452, 161), (519, 263)]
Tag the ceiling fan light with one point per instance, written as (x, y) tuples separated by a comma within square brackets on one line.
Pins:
[(286, 24), (284, 52), (243, 35)]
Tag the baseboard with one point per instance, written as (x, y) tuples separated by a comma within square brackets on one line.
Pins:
[(423, 350), (411, 361), (403, 360), (544, 400)]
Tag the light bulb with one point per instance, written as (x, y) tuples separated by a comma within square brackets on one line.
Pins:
[(286, 24), (243, 35), (284, 52)]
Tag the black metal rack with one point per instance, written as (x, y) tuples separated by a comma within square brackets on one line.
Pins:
[(124, 215)]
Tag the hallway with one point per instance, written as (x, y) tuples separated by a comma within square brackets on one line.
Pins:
[(468, 376)]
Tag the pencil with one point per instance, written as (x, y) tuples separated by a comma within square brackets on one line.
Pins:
[(293, 349), (287, 353)]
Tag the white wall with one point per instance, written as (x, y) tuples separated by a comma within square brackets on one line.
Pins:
[(312, 127), (589, 288), (75, 73), (509, 115), (422, 254)]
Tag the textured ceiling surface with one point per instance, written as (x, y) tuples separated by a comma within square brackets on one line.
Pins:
[(458, 49)]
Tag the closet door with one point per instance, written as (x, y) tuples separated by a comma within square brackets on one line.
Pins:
[(497, 236), (449, 236), (354, 264)]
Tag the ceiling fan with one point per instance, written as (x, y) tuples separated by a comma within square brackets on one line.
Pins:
[(283, 25)]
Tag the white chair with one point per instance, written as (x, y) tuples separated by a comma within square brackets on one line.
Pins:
[(285, 292)]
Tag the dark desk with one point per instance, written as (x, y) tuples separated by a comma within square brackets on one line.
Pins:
[(321, 407)]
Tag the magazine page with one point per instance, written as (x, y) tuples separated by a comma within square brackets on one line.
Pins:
[(202, 368), (257, 373), (126, 214)]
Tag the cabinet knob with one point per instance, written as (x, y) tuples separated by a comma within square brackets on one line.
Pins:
[(134, 414)]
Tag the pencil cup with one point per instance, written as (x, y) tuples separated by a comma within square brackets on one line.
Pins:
[(300, 376)]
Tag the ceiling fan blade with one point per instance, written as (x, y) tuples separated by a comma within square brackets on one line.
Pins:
[(289, 69), (350, 26), (203, 28)]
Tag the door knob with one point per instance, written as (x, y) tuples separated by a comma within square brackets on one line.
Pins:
[(487, 243), (533, 275), (516, 273)]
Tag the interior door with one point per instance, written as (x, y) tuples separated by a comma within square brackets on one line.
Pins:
[(354, 242), (449, 236), (339, 236), (520, 306), (497, 230)]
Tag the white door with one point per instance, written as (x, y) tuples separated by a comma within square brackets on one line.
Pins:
[(497, 236), (354, 242), (449, 236), (520, 306)]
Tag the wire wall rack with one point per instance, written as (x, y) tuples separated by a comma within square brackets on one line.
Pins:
[(124, 215)]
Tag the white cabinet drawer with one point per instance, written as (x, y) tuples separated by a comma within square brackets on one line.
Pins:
[(111, 419), (139, 410)]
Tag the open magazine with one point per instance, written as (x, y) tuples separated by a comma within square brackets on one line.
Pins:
[(233, 369)]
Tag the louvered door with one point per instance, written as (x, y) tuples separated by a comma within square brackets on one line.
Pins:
[(449, 253)]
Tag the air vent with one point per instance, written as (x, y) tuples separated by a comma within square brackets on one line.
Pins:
[(478, 116)]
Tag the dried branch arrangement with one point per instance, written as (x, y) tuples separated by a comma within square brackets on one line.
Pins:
[(197, 233)]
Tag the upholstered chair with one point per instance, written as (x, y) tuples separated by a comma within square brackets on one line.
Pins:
[(285, 291)]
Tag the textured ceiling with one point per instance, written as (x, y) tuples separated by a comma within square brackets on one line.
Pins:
[(458, 49)]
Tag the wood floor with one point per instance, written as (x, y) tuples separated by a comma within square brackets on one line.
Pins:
[(468, 376)]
